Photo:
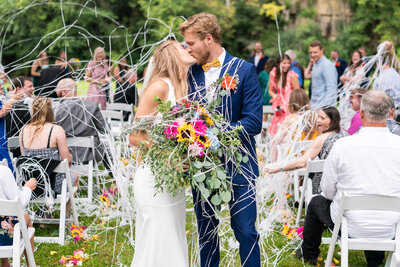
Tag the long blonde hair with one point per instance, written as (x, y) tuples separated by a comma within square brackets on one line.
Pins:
[(96, 51), (167, 64), (42, 112)]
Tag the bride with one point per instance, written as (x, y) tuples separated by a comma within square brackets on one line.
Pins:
[(160, 234)]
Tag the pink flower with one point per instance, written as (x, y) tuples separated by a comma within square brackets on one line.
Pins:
[(196, 149), (175, 109), (299, 231), (62, 261), (171, 131), (200, 127), (5, 225)]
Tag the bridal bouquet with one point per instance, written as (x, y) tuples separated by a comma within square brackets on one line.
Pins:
[(194, 135)]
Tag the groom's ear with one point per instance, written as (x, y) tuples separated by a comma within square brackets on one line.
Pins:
[(209, 38)]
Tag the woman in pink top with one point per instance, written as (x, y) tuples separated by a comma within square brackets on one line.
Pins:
[(355, 100), (97, 76), (282, 82)]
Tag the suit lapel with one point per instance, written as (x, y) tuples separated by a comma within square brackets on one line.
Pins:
[(228, 58)]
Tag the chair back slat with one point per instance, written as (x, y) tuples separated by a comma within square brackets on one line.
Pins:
[(371, 202), (113, 115), (80, 142), (13, 142), (8, 207), (120, 106), (314, 166)]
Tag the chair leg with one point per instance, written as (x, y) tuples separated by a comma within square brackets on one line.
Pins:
[(17, 246), (63, 213), (301, 202)]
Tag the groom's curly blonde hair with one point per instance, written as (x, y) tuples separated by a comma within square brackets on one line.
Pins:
[(202, 24)]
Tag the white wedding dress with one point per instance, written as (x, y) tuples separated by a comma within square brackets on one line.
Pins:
[(160, 232)]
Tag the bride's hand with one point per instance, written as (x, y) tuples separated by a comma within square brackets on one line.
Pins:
[(185, 167)]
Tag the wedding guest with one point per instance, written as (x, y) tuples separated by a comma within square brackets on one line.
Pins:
[(355, 101), (38, 65), (296, 67), (364, 163), (61, 60), (258, 57), (9, 191), (340, 63), (127, 92), (19, 115), (5, 107), (263, 78), (355, 69), (323, 77), (363, 52), (328, 126), (79, 118), (282, 83), (389, 78), (97, 76), (44, 139)]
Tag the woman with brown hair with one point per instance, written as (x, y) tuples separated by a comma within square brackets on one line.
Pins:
[(160, 222), (282, 83), (44, 139)]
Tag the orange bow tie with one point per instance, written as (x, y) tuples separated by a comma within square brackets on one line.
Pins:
[(214, 63)]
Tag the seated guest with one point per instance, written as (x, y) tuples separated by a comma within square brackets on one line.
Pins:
[(9, 191), (364, 163), (19, 114), (355, 70), (355, 101), (328, 126), (44, 139), (79, 118)]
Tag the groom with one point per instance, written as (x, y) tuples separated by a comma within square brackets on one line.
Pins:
[(244, 107)]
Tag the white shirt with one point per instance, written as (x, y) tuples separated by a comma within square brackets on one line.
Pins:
[(257, 58), (212, 74), (365, 163), (9, 189)]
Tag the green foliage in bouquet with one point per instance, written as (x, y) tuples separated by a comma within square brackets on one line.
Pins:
[(186, 145)]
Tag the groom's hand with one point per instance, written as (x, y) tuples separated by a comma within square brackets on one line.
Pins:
[(185, 167)]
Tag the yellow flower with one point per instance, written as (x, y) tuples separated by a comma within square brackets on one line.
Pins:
[(53, 252), (186, 132), (209, 120), (203, 140)]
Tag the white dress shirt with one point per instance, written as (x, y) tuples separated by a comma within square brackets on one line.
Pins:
[(212, 74), (257, 58), (365, 163), (9, 189)]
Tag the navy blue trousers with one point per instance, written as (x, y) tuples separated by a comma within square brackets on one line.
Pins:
[(243, 210)]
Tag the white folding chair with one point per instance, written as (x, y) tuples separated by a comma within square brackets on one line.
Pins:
[(395, 262), (364, 202), (314, 166), (13, 208), (297, 149), (12, 143), (122, 107), (115, 120), (67, 194), (84, 169)]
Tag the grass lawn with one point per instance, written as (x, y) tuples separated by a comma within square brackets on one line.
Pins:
[(112, 248)]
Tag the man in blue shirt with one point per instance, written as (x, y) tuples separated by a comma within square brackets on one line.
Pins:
[(296, 67), (323, 78)]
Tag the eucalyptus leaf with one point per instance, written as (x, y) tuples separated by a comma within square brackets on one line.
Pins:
[(215, 130), (222, 93), (199, 177), (198, 164), (225, 196), (245, 159), (216, 183), (216, 200), (205, 192), (221, 174)]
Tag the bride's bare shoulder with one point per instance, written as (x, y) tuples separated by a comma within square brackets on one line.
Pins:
[(157, 88)]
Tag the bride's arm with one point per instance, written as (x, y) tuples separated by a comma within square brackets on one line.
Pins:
[(147, 107)]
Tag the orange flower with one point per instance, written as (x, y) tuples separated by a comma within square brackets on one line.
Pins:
[(228, 83)]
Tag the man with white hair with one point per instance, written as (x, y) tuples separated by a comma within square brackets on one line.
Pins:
[(364, 163), (296, 67), (79, 118)]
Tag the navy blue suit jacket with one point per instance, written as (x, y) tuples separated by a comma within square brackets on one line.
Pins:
[(244, 107), (261, 63)]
